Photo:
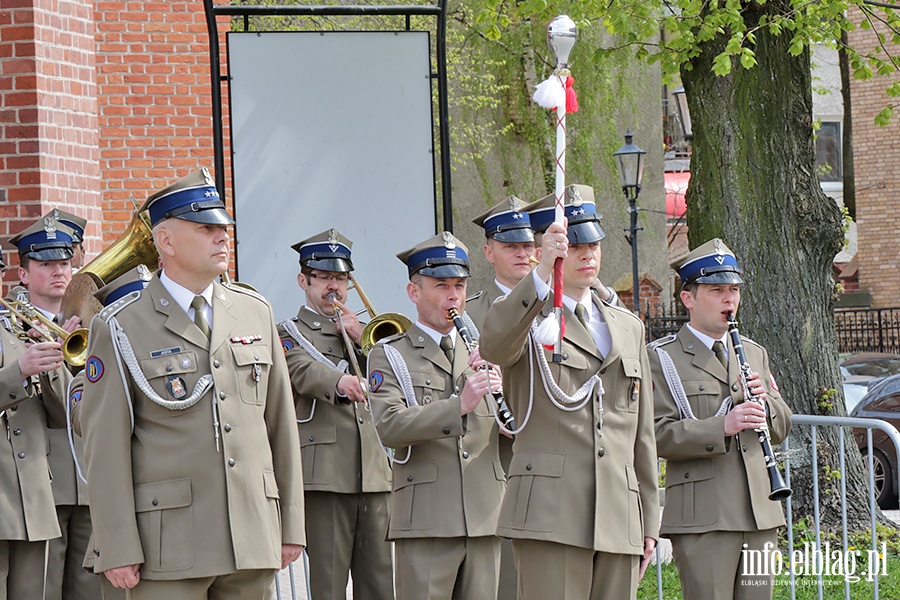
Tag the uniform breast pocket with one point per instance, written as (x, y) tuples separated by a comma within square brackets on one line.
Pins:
[(429, 387), (704, 396), (166, 524), (172, 377), (628, 395), (252, 364)]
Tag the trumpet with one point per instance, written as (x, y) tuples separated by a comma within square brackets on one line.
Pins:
[(380, 325), (74, 344), (504, 415), (778, 488)]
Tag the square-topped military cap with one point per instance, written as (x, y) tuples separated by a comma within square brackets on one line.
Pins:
[(326, 251), (440, 256), (506, 222), (192, 198), (711, 262), (134, 280), (74, 222), (581, 212), (45, 239)]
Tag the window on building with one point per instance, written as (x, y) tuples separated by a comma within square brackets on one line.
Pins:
[(828, 151)]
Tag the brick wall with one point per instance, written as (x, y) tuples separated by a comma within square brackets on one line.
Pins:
[(153, 81), (100, 102), (48, 107), (877, 165)]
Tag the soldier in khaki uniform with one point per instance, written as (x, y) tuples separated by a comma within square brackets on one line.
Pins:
[(346, 476), (582, 505), (716, 483), (27, 514), (66, 579), (429, 406), (190, 444)]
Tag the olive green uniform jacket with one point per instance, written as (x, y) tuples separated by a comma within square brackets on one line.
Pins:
[(203, 491), (713, 483), (571, 482)]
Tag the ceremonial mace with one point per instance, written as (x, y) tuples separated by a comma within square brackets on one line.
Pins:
[(556, 93)]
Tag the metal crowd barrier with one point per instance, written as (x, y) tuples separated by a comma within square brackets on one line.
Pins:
[(814, 422), (292, 591)]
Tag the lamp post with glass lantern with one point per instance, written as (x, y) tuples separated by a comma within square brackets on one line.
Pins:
[(630, 161)]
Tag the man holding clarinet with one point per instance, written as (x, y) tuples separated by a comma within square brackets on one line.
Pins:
[(722, 492)]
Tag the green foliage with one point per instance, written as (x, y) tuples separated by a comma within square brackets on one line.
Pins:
[(691, 27), (826, 400)]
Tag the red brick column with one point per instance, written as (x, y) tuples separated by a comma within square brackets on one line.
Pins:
[(876, 152)]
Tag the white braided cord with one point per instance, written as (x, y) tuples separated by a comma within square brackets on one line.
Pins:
[(123, 347), (304, 343), (556, 394), (677, 389), (401, 372)]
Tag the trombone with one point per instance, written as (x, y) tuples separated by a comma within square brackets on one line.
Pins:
[(74, 344), (379, 326)]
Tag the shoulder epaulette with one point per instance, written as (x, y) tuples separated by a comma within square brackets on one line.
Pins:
[(390, 338), (624, 311), (748, 340), (475, 296), (661, 342), (245, 288), (118, 305)]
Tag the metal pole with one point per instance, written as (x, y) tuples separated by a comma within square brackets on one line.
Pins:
[(632, 239), (216, 83)]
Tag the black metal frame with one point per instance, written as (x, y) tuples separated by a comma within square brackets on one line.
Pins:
[(439, 11)]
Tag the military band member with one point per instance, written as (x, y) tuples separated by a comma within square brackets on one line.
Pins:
[(27, 514), (509, 248), (77, 225), (582, 505), (541, 213), (346, 476), (66, 579), (716, 485), (190, 444), (429, 405)]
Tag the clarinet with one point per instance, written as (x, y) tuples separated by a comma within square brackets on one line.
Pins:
[(503, 413), (779, 489)]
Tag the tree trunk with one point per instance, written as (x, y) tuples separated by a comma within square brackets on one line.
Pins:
[(753, 183)]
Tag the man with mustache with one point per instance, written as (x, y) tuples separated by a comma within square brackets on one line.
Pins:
[(346, 477), (188, 426), (428, 400)]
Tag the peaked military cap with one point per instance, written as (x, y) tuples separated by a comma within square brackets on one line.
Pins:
[(45, 239), (326, 251), (134, 280), (506, 222), (580, 209), (192, 198), (711, 262), (74, 222), (441, 256)]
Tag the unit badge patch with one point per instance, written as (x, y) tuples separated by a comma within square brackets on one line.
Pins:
[(375, 380), (287, 345), (93, 369)]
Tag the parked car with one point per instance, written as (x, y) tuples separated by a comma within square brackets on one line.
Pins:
[(872, 364), (882, 401)]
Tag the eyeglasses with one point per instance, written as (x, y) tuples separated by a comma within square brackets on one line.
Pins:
[(338, 277)]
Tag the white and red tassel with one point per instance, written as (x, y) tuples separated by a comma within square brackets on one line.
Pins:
[(556, 90)]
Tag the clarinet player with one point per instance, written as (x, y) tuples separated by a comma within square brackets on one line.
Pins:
[(717, 489)]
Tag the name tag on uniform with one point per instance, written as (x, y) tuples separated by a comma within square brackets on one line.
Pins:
[(165, 352)]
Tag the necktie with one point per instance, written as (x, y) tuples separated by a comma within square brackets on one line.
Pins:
[(199, 320), (447, 347), (581, 313), (718, 349)]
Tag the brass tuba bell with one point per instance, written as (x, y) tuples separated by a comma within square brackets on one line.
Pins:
[(380, 326), (134, 247)]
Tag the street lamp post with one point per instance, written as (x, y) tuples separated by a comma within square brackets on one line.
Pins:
[(630, 160)]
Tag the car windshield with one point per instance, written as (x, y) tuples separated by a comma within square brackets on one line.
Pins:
[(872, 364), (853, 393)]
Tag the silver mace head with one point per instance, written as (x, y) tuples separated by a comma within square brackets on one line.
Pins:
[(561, 34)]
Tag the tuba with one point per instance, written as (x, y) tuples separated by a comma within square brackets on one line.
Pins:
[(134, 247), (380, 326)]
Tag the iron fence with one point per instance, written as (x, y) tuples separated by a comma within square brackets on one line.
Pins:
[(868, 329)]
